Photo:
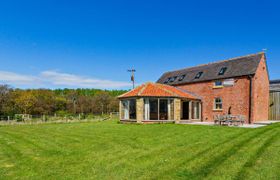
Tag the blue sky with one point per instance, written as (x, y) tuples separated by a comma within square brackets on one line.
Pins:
[(73, 44)]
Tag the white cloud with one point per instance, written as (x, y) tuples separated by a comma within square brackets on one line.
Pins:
[(17, 79), (65, 79), (47, 79)]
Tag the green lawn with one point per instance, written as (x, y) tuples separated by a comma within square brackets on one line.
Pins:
[(108, 150)]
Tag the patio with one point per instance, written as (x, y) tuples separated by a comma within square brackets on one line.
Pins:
[(255, 125)]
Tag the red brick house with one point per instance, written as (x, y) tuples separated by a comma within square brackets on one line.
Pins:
[(238, 86)]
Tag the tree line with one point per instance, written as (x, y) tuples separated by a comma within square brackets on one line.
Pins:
[(58, 101)]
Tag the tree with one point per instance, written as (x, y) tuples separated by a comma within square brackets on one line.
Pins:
[(24, 100), (102, 101), (44, 101), (4, 97)]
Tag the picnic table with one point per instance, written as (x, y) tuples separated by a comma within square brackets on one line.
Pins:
[(228, 120)]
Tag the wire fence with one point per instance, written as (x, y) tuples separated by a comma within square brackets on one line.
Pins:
[(40, 119)]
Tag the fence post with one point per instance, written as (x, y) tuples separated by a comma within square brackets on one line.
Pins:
[(8, 119)]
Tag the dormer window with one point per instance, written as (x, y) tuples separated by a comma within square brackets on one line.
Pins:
[(198, 75), (222, 71), (182, 77)]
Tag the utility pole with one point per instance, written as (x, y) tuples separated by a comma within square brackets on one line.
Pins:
[(132, 71)]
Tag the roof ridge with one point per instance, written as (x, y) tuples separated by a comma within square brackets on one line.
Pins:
[(143, 88), (216, 62), (166, 90)]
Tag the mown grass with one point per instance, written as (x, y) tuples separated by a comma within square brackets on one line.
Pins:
[(108, 150)]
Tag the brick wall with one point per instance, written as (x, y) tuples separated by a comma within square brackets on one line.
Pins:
[(236, 97), (261, 93)]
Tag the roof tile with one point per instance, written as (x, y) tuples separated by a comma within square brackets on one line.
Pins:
[(240, 66), (158, 90)]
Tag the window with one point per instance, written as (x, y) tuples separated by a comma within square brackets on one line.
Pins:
[(129, 109), (218, 84), (182, 77), (173, 79), (125, 109), (132, 109), (195, 110), (153, 109), (163, 109), (158, 109), (167, 80), (218, 105), (198, 75), (222, 71)]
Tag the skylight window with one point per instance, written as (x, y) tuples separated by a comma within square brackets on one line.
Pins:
[(198, 75), (166, 81), (182, 77), (173, 79), (222, 71)]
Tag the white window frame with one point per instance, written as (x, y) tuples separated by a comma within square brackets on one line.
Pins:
[(126, 111), (147, 108), (218, 103)]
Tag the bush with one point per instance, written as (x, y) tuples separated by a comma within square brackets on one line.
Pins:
[(18, 117)]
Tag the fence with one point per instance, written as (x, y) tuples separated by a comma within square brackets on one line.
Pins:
[(38, 119), (274, 108)]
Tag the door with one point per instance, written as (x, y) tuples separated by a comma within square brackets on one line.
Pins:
[(163, 109), (185, 110)]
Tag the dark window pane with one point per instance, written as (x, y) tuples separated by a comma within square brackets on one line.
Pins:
[(163, 109), (182, 77), (198, 75), (218, 83), (167, 80), (218, 103), (154, 109), (173, 79), (222, 71), (132, 109)]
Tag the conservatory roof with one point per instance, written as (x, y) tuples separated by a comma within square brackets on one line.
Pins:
[(158, 90)]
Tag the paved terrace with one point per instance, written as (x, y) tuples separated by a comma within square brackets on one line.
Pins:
[(255, 125)]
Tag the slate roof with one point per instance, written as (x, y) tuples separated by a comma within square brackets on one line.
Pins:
[(158, 90), (275, 85), (236, 67)]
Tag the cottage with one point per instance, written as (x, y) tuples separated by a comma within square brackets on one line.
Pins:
[(238, 86)]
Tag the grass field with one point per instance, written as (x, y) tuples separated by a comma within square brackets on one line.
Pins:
[(108, 150)]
